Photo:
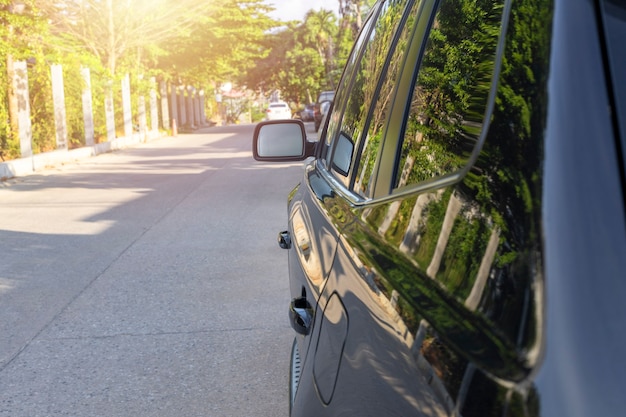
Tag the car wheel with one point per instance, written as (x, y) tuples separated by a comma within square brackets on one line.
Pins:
[(294, 373)]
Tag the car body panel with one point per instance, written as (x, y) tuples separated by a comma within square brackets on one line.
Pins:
[(313, 250), (584, 226), (494, 285)]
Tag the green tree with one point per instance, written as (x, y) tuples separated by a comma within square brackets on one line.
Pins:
[(223, 45), (301, 73), (121, 32), (322, 31), (21, 32), (293, 65), (301, 59)]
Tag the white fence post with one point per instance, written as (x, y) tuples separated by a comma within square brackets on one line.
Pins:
[(154, 114), (126, 107), (202, 108), (58, 96), (174, 104), (109, 111), (20, 87), (165, 110), (196, 108), (143, 123), (190, 112), (182, 107), (88, 108)]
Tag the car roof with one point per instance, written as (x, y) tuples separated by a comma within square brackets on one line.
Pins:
[(325, 94)]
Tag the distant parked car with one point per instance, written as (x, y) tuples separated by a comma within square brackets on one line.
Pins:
[(305, 114), (308, 113), (278, 110), (324, 101)]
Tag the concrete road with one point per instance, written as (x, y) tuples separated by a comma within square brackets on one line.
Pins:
[(147, 282)]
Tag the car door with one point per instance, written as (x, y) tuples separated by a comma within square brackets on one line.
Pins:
[(354, 106), (314, 222)]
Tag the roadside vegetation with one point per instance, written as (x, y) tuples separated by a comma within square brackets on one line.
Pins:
[(207, 44)]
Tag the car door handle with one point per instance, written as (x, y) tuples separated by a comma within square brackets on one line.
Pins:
[(284, 239), (301, 315)]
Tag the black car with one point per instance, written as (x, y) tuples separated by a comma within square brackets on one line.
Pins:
[(306, 114), (457, 244)]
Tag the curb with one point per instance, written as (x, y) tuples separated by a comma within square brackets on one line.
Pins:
[(29, 165)]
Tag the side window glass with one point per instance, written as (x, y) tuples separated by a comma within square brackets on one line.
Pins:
[(379, 95), (450, 98), (343, 89), (363, 87)]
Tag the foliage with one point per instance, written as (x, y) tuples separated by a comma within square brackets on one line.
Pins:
[(21, 33), (301, 59), (41, 107), (512, 168), (21, 29), (459, 264), (209, 43), (125, 33), (222, 45), (435, 212), (321, 32), (294, 67)]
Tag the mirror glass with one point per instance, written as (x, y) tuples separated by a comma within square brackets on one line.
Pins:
[(280, 139), (343, 154)]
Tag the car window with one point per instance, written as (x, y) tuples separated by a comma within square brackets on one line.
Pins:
[(381, 97), (450, 100), (343, 89), (362, 91)]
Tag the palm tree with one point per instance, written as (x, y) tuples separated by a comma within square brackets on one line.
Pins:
[(322, 27)]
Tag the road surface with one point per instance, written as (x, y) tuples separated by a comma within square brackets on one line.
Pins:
[(147, 282)]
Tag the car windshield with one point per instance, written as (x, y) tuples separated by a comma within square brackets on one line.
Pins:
[(615, 30)]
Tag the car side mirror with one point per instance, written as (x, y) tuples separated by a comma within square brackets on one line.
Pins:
[(281, 140)]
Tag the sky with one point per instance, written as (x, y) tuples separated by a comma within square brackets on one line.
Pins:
[(296, 9)]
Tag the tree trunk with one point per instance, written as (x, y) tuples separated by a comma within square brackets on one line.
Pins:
[(111, 32), (13, 105)]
